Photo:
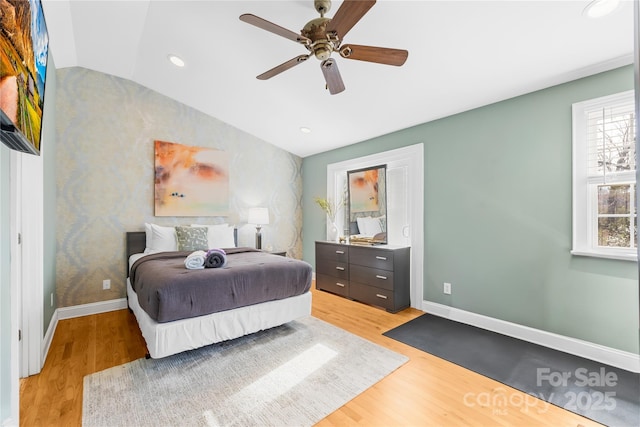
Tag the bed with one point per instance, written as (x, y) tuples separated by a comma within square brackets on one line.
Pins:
[(170, 330)]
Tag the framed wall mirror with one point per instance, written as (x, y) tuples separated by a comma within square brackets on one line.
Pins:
[(367, 204)]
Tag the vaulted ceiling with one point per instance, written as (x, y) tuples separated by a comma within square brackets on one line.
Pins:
[(462, 55)]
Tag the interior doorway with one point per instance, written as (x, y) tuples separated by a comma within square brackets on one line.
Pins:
[(405, 202), (26, 262)]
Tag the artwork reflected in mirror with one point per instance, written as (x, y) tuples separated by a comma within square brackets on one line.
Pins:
[(367, 205)]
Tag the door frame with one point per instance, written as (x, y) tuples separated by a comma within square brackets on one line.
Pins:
[(413, 157), (26, 261)]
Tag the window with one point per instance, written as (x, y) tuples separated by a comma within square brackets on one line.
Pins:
[(604, 177)]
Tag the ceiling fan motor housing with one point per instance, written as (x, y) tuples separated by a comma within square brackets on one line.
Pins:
[(315, 30)]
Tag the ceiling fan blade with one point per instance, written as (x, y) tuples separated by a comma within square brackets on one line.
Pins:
[(276, 29), (332, 76), (347, 16), (282, 67), (381, 55)]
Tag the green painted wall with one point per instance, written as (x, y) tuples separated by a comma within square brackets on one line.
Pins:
[(498, 216)]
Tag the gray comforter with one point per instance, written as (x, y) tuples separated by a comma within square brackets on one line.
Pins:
[(168, 291)]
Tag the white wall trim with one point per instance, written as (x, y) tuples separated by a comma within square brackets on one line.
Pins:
[(16, 293), (413, 156), (610, 356), (48, 336), (91, 308), (30, 210)]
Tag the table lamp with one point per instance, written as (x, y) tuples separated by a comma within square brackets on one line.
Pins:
[(258, 217)]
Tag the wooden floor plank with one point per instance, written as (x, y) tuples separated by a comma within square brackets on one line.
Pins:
[(424, 391)]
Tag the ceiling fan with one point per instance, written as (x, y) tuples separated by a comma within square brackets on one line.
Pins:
[(323, 36)]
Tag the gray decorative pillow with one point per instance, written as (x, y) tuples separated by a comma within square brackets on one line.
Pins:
[(192, 238)]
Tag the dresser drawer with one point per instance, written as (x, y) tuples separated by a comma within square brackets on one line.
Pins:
[(332, 252), (371, 295), (375, 275), (333, 268), (372, 276), (332, 284), (371, 257)]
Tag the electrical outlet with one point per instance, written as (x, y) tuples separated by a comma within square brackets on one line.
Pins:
[(106, 284), (447, 288), (51, 299)]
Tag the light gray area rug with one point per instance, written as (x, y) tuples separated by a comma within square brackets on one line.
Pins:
[(291, 375)]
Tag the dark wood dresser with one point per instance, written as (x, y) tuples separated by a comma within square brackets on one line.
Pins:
[(376, 275)]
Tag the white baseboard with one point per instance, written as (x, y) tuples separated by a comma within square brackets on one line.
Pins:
[(91, 308), (607, 355), (48, 337)]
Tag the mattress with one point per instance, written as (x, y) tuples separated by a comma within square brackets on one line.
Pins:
[(167, 291)]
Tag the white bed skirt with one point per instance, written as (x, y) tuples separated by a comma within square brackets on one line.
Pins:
[(165, 339)]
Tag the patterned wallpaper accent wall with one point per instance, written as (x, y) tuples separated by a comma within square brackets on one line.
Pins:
[(105, 130)]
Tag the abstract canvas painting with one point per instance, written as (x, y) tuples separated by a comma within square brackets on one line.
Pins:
[(190, 181)]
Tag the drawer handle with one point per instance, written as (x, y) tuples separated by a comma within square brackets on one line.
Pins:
[(340, 252), (340, 284), (381, 296), (381, 277), (340, 268), (383, 258)]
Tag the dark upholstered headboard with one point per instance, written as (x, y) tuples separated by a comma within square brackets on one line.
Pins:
[(136, 242), (353, 228)]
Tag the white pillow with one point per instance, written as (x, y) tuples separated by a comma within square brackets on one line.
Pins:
[(147, 232), (160, 239), (219, 235), (369, 226), (362, 225), (374, 226)]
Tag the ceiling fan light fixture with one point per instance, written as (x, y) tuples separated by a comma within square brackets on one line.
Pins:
[(322, 51), (600, 8), (176, 60)]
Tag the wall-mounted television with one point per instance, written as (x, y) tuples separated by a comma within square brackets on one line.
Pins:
[(24, 46)]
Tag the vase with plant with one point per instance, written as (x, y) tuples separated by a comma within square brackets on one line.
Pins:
[(330, 208)]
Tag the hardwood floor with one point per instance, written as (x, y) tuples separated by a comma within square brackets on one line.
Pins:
[(424, 391)]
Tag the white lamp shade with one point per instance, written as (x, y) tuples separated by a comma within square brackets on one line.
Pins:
[(258, 216)]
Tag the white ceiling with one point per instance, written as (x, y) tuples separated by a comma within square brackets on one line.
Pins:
[(462, 55)]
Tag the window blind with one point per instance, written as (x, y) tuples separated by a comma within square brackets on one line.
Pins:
[(611, 143)]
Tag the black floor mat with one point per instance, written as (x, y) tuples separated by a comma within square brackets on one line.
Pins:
[(601, 392)]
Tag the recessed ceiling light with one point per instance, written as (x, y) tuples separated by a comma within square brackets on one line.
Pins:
[(600, 8), (305, 129), (176, 60)]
